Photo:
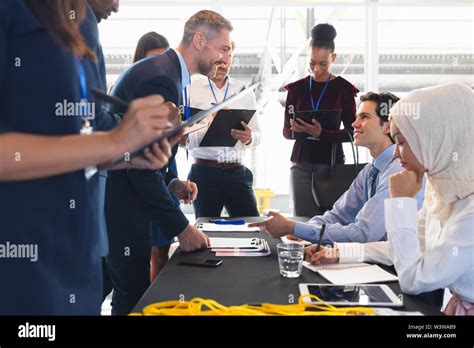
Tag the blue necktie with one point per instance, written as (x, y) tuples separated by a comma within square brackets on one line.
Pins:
[(371, 179)]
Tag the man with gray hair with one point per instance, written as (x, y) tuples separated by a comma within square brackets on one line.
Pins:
[(135, 198), (219, 172)]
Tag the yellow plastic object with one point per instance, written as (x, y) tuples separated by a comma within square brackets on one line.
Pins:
[(263, 197), (203, 307)]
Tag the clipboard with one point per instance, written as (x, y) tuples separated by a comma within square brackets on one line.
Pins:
[(329, 119), (199, 125), (172, 131), (218, 133)]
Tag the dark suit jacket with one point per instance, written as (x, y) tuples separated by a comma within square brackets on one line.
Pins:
[(135, 198)]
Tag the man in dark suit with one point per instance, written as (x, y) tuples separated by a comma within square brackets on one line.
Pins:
[(134, 198)]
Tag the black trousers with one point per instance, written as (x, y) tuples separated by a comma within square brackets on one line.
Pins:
[(218, 188), (302, 191)]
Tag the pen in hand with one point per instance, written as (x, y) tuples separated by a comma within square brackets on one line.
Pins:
[(321, 234)]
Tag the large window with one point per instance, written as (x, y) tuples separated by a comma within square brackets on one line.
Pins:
[(384, 45)]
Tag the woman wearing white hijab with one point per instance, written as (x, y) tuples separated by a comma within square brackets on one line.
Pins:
[(434, 132), (433, 129)]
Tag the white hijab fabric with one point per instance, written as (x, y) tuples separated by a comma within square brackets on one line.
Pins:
[(438, 124)]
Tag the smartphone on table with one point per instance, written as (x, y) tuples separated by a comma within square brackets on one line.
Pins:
[(201, 262)]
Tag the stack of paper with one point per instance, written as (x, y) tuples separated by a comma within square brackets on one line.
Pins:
[(240, 246), (211, 227)]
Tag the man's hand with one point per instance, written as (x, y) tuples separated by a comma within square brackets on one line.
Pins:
[(323, 256), (184, 190), (193, 239), (244, 136), (174, 115), (301, 126), (405, 184), (277, 225)]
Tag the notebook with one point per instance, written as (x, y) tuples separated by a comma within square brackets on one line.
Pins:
[(352, 273)]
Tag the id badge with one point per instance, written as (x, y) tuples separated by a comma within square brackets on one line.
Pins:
[(87, 129)]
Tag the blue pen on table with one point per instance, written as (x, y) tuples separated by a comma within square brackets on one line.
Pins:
[(227, 222)]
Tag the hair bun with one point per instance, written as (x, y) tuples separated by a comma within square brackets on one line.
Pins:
[(323, 32)]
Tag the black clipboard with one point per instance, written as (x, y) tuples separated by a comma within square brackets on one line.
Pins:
[(172, 131), (218, 133), (329, 119)]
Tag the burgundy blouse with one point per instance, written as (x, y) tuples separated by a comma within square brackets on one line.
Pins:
[(340, 95)]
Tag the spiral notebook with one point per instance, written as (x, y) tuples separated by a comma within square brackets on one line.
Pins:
[(352, 273)]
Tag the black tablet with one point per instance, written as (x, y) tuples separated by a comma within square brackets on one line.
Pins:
[(352, 295), (329, 119)]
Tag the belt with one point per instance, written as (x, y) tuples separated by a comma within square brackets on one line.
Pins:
[(215, 164)]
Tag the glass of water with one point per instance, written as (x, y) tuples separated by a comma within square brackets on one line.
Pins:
[(290, 259)]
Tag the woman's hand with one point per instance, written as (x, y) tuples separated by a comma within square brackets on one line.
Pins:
[(301, 126), (405, 184), (143, 122), (154, 157)]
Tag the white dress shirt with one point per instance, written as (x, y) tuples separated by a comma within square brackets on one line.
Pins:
[(201, 97), (185, 76), (427, 253)]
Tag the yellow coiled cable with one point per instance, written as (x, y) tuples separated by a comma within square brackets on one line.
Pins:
[(203, 307)]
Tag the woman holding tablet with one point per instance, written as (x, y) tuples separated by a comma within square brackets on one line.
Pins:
[(319, 91), (49, 205), (433, 130)]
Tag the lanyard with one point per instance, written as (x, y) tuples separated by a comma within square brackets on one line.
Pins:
[(84, 103), (82, 79), (187, 102), (90, 171), (214, 94), (322, 92), (83, 84)]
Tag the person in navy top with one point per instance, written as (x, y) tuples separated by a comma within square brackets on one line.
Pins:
[(49, 209), (97, 10), (319, 91)]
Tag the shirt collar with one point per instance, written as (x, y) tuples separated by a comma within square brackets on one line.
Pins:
[(185, 76), (384, 158)]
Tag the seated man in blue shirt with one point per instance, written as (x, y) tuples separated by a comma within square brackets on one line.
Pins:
[(358, 215)]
